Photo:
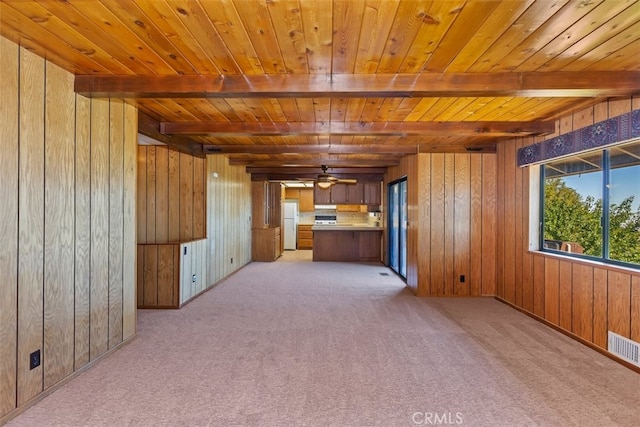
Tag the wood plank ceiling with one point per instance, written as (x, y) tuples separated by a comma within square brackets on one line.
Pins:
[(348, 83)]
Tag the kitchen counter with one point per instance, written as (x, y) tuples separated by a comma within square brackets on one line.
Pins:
[(346, 227)]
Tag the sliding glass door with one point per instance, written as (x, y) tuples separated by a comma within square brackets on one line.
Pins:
[(397, 226)]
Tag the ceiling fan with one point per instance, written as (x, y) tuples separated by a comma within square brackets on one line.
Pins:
[(325, 180)]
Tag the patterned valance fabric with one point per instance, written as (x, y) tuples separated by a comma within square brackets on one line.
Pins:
[(597, 135)]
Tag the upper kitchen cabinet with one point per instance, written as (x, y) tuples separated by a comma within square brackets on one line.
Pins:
[(304, 196), (321, 197), (361, 193), (305, 203), (355, 193), (372, 193), (339, 194)]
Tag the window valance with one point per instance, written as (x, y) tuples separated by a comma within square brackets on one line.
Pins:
[(598, 135)]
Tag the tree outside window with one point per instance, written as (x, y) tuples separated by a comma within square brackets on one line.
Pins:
[(591, 204)]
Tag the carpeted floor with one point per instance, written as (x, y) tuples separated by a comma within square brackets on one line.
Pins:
[(297, 343)]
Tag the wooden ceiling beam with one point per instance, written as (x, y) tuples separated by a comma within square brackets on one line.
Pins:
[(311, 172), (282, 175), (310, 149), (313, 163), (531, 84), (150, 127), (356, 128)]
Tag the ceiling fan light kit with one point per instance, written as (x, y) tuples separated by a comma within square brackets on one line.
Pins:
[(324, 185), (324, 180)]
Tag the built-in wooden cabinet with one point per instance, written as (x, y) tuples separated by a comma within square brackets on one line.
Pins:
[(171, 274), (355, 193), (265, 244), (304, 196), (348, 194), (305, 202), (372, 193), (259, 204), (171, 214), (305, 236), (321, 196), (338, 194), (361, 193), (266, 200)]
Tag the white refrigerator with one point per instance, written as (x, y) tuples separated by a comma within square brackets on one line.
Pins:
[(290, 224)]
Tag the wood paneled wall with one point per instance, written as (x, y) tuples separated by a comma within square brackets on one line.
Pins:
[(452, 222), (228, 218), (586, 299), (171, 195), (67, 226)]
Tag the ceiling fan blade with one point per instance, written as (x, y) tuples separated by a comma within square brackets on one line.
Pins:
[(347, 181)]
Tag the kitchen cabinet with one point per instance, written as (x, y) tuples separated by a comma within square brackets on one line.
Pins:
[(292, 193), (348, 194), (355, 193), (372, 193), (339, 194), (321, 197), (361, 193), (305, 203), (304, 196), (305, 236)]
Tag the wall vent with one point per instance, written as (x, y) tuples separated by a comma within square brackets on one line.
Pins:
[(210, 149), (624, 348)]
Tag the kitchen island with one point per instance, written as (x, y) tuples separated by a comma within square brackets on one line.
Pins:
[(353, 243)]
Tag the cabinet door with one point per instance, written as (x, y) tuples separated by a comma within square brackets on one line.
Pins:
[(372, 193), (259, 204), (369, 246), (355, 193), (277, 248), (306, 200), (292, 193), (339, 193), (321, 197)]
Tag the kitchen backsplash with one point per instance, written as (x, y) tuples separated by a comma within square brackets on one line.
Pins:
[(306, 218), (341, 217), (352, 217)]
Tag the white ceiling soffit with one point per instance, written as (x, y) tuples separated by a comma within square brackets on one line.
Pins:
[(145, 140)]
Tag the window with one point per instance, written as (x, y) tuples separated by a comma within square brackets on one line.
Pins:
[(591, 204)]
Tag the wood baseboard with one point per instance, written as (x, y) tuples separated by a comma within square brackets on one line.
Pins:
[(19, 410), (572, 335)]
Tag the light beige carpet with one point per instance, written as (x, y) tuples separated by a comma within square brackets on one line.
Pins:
[(296, 343)]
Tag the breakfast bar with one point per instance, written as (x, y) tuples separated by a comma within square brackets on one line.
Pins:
[(344, 242)]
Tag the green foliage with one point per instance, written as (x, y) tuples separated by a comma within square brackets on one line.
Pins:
[(624, 232), (570, 218)]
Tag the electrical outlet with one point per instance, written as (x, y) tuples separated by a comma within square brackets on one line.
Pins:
[(462, 278), (34, 359), (193, 278)]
